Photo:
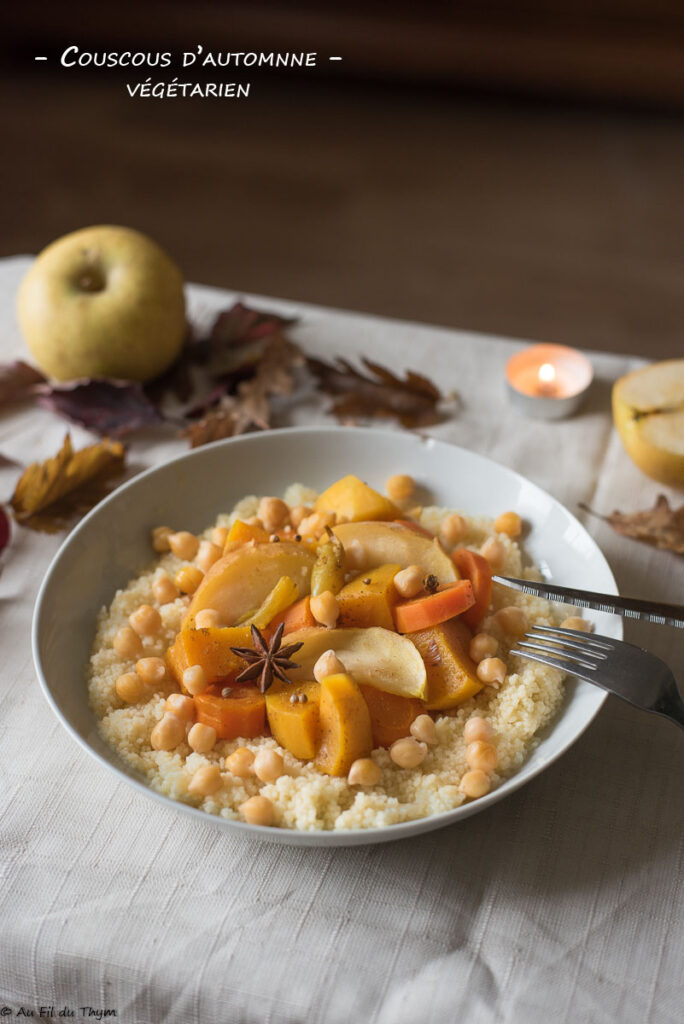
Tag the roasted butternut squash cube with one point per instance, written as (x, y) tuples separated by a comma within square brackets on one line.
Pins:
[(352, 499), (451, 672), (369, 599), (295, 725), (210, 648), (390, 714), (241, 533), (345, 726), (242, 714)]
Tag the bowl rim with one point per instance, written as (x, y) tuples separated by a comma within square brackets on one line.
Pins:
[(330, 837)]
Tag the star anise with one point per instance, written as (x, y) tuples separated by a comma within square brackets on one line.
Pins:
[(266, 660)]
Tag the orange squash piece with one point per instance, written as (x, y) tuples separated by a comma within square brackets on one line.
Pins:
[(353, 500), (210, 648), (390, 714), (431, 609), (345, 726), (369, 599), (242, 533), (241, 715), (451, 672), (295, 726)]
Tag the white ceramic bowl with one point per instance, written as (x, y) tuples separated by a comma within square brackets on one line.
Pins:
[(111, 545)]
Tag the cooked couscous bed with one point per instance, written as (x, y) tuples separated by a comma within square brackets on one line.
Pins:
[(387, 693)]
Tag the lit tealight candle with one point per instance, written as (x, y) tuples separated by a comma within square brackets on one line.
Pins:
[(548, 381)]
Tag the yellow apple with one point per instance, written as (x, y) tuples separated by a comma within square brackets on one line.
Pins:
[(103, 302), (648, 410)]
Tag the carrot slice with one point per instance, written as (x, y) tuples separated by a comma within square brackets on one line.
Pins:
[(475, 568), (242, 714), (390, 714), (297, 616), (422, 612)]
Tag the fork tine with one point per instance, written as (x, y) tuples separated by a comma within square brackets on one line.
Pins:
[(560, 663), (566, 645), (578, 634), (571, 659)]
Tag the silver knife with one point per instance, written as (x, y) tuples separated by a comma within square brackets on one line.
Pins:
[(628, 607)]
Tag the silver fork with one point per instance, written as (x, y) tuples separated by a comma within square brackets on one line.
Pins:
[(629, 672)]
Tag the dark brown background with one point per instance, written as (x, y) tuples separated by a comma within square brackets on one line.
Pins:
[(518, 172)]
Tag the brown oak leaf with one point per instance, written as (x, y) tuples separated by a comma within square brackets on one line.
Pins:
[(661, 525), (412, 401), (50, 493), (18, 381)]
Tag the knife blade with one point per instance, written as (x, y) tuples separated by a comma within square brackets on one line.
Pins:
[(629, 607)]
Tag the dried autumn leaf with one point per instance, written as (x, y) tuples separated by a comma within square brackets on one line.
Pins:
[(50, 493), (18, 381), (241, 324), (661, 525), (107, 407), (250, 407), (412, 401)]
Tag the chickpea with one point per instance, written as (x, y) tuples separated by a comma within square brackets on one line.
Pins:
[(327, 665), (189, 578), (453, 529), (146, 620), (423, 729), (194, 679), (184, 545), (219, 536), (165, 590), (482, 756), (474, 784), (129, 687), (254, 521), (512, 620), (167, 733), (240, 762), (298, 513), (364, 772), (202, 737), (325, 609), (509, 523), (127, 643), (268, 765), (160, 538), (400, 487), (477, 728), (258, 810), (274, 513), (181, 706), (483, 645), (151, 670), (491, 671), (409, 581), (408, 752), (207, 618), (315, 524), (575, 622), (495, 553), (206, 780), (207, 554)]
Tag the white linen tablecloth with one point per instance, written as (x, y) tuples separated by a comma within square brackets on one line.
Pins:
[(562, 903)]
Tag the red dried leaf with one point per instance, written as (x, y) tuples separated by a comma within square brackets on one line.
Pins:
[(109, 408), (241, 324), (412, 401), (660, 525), (18, 381)]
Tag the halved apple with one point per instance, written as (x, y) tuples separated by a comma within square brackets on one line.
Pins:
[(648, 410), (374, 657), (237, 584), (369, 545)]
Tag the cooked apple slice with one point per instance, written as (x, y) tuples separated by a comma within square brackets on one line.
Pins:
[(368, 545), (373, 656), (238, 583)]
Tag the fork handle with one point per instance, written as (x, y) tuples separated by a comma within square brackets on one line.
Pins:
[(672, 707)]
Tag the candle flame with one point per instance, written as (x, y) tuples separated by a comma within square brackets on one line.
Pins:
[(547, 373)]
